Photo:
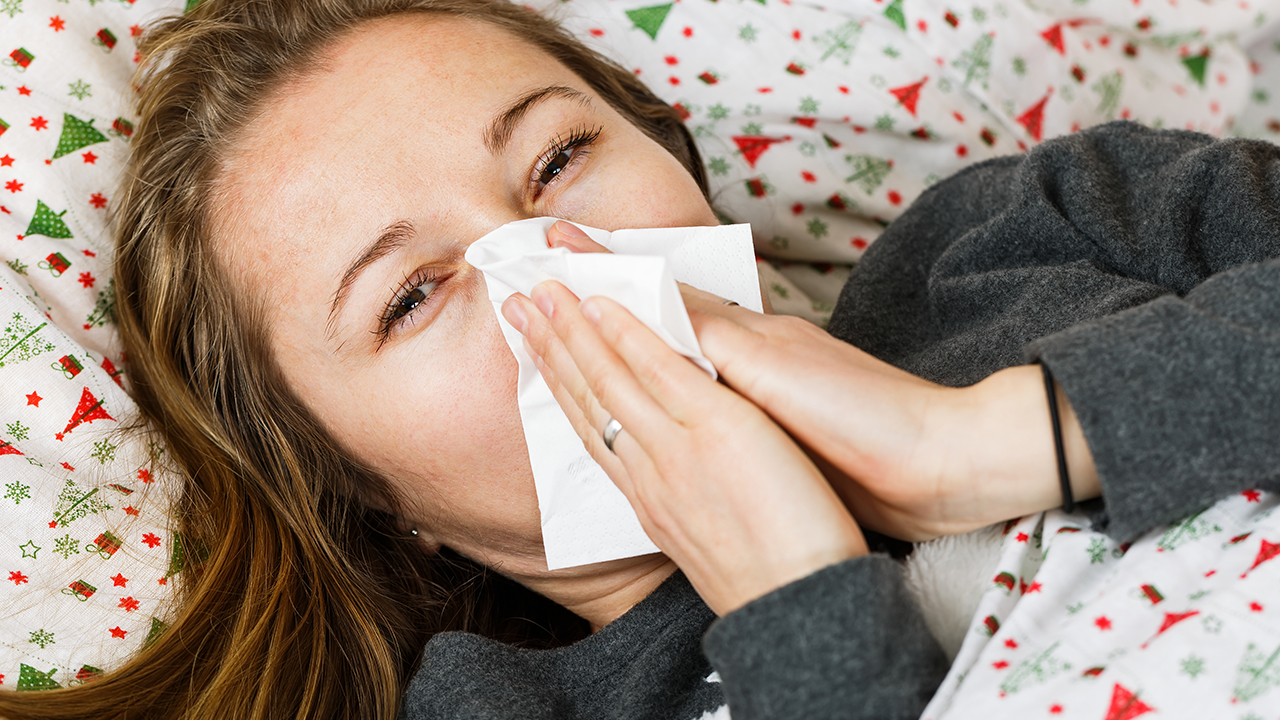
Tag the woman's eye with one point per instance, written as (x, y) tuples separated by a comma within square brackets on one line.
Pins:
[(556, 165), (410, 301)]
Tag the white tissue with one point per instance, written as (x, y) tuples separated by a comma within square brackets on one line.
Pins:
[(585, 518)]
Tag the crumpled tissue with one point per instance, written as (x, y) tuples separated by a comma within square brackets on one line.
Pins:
[(585, 518)]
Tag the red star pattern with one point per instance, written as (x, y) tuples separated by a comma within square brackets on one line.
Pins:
[(1022, 537), (120, 580), (53, 523), (131, 510), (129, 604), (98, 201), (1000, 664), (1033, 587), (1255, 606), (163, 581), (1102, 622), (6, 161), (24, 91), (1055, 709), (116, 632), (39, 123), (67, 466), (151, 540), (57, 23), (144, 475), (135, 30), (13, 186), (87, 279), (34, 399), (1252, 495), (17, 577), (90, 158), (1011, 644)]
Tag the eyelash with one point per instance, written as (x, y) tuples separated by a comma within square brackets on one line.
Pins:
[(579, 140), (388, 320)]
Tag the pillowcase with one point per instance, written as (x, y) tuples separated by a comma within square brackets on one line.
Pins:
[(87, 559)]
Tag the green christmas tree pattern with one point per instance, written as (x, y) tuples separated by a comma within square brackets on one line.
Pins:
[(975, 62), (869, 172), (1034, 671), (1189, 530), (104, 307), (841, 42), (30, 678), (895, 14), (48, 223), (18, 430), (650, 19), (76, 134), (74, 503), (1258, 673), (22, 341)]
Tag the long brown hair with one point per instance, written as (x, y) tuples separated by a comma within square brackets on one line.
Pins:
[(305, 600)]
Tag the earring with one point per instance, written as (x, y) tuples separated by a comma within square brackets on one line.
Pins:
[(414, 532)]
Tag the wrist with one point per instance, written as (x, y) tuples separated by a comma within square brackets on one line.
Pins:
[(1004, 426)]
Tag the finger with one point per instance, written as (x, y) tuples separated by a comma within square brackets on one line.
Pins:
[(567, 235), (679, 387)]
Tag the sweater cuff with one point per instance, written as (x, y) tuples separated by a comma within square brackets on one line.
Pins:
[(1176, 403), (845, 642)]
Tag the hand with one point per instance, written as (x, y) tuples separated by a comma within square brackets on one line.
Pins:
[(717, 485), (910, 458)]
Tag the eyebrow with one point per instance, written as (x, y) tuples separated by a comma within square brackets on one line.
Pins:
[(499, 131), (392, 238)]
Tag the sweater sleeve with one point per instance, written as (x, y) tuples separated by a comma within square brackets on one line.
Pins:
[(1139, 265), (845, 642)]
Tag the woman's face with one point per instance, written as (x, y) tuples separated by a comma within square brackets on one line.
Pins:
[(347, 209)]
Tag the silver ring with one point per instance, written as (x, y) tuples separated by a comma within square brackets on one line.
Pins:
[(611, 430), (730, 303)]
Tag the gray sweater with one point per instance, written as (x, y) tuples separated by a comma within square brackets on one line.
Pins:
[(1136, 264)]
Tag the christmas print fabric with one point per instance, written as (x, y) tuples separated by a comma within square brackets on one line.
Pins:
[(87, 558), (1184, 622), (820, 121)]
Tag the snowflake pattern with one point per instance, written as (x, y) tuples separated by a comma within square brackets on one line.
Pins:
[(80, 90), (718, 166), (817, 228), (717, 112), (17, 492), (18, 431), (12, 7), (1192, 666), (104, 451), (809, 105), (66, 546), (1097, 551), (42, 638), (748, 33)]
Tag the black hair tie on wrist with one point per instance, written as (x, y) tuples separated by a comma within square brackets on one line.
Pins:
[(1068, 502)]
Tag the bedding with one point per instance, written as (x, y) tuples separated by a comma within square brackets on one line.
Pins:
[(819, 122)]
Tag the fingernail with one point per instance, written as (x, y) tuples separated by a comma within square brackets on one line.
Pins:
[(542, 299), (514, 312), (591, 310)]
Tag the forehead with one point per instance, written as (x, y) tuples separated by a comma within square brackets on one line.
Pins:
[(386, 107)]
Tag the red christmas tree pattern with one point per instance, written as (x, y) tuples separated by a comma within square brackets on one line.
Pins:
[(753, 146), (1053, 36), (909, 95), (1170, 619), (89, 409), (1033, 118), (1268, 551), (1125, 705)]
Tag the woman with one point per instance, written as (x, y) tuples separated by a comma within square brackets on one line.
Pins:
[(338, 390)]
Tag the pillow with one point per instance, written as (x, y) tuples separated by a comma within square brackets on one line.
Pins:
[(820, 121), (87, 560)]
